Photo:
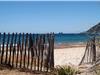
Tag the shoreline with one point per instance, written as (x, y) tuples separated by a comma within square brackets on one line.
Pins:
[(60, 46), (69, 45)]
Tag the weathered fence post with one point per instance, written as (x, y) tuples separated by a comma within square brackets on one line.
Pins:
[(11, 44), (18, 49), (14, 49), (52, 51), (38, 48), (28, 45), (26, 41), (48, 55), (7, 48), (0, 42), (31, 49), (21, 50), (50, 44), (94, 50), (90, 52), (35, 50), (42, 49), (3, 48)]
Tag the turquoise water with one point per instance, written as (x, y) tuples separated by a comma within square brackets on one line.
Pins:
[(71, 38)]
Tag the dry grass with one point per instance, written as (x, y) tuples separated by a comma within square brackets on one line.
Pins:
[(14, 72), (6, 70)]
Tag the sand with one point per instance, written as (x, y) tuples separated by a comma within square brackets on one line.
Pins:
[(62, 56), (68, 56)]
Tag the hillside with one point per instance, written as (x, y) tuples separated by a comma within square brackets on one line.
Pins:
[(94, 29)]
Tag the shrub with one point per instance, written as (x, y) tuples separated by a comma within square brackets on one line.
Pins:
[(65, 70)]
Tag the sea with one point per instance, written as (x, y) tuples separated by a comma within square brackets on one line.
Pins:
[(66, 38), (72, 38)]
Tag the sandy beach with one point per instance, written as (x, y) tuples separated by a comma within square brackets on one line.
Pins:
[(66, 56)]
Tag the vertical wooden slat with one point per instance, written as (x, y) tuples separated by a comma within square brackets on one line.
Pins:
[(84, 54), (18, 48), (11, 44), (21, 50), (94, 50), (3, 48), (87, 52), (42, 49), (7, 48), (38, 48), (52, 51), (48, 55), (90, 52), (0, 45), (32, 55), (40, 41), (25, 48), (0, 42), (14, 49), (31, 49), (12, 53), (35, 50)]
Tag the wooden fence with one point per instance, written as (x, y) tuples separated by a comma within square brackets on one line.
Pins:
[(30, 51), (92, 51)]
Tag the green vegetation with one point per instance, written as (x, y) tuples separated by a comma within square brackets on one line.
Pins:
[(65, 70)]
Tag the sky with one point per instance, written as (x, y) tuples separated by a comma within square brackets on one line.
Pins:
[(48, 16)]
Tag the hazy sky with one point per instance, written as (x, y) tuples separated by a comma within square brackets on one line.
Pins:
[(67, 17)]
